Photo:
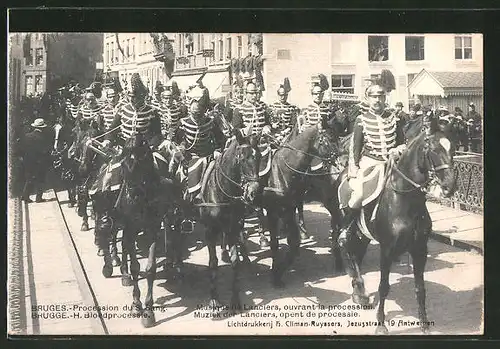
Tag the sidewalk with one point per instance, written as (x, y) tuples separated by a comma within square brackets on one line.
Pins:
[(462, 229), (53, 276)]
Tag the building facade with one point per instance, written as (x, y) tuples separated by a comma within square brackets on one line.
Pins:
[(42, 62), (349, 60)]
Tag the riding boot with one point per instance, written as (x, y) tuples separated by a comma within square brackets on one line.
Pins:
[(187, 225), (350, 215)]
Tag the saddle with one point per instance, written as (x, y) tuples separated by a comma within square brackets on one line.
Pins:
[(373, 183)]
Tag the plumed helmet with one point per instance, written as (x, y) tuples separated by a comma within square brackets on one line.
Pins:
[(381, 84), (285, 87), (159, 87), (320, 81), (251, 87), (113, 87), (137, 86)]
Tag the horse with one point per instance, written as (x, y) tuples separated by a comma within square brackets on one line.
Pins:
[(230, 186), (143, 201), (286, 186), (402, 222)]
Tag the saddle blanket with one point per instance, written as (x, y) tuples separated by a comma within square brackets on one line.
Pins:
[(370, 182), (265, 160), (109, 178), (196, 169)]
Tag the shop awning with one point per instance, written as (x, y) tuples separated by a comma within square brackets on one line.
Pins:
[(185, 81), (217, 83), (445, 84)]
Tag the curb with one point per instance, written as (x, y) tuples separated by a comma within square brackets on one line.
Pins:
[(463, 245)]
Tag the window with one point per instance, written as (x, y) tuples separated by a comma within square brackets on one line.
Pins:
[(228, 49), (38, 84), (378, 48), (112, 52), (240, 47), (29, 85), (39, 56), (190, 43), (133, 49), (212, 57), (343, 83), (128, 51), (106, 59), (221, 50), (29, 59), (463, 47), (414, 48), (283, 54)]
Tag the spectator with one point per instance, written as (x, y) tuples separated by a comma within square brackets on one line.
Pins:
[(36, 158), (475, 128)]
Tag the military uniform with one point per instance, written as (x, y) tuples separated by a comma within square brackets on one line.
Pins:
[(171, 115), (253, 118)]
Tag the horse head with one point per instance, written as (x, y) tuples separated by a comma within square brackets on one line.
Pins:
[(429, 157), (86, 131), (326, 143), (243, 153)]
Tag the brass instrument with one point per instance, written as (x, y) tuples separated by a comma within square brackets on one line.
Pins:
[(301, 122)]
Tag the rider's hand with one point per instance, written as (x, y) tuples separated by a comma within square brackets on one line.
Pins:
[(106, 143), (266, 130), (353, 173)]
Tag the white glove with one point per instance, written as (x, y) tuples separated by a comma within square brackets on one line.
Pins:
[(266, 130), (106, 143), (353, 172), (163, 144)]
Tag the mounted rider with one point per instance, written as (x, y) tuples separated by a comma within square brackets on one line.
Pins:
[(136, 116), (156, 100), (202, 140), (74, 102), (237, 98), (376, 137), (90, 111), (114, 103), (253, 117), (171, 111), (284, 114)]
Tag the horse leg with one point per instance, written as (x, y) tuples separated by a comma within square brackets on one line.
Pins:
[(102, 232), (233, 237), (71, 196), (273, 221), (348, 248), (224, 247), (177, 248), (383, 288), (135, 268), (293, 240), (114, 250), (82, 208), (211, 238), (303, 231), (263, 241), (334, 235), (419, 256), (126, 278), (148, 318)]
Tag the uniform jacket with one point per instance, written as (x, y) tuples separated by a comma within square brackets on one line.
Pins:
[(315, 112), (200, 136), (285, 114), (170, 117), (374, 136), (145, 120), (248, 114)]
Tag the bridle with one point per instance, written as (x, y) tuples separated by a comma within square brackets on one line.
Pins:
[(431, 172)]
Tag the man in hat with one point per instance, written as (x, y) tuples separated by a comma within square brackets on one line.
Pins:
[(135, 116), (171, 112), (36, 158), (284, 114), (475, 128), (318, 109), (463, 134), (400, 114), (376, 137), (89, 112), (201, 138)]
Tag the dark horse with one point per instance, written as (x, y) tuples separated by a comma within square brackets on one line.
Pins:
[(143, 201), (231, 184), (402, 222), (286, 186)]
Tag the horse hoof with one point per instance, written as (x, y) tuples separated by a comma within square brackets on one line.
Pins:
[(148, 318), (126, 281), (136, 310), (360, 299), (107, 271), (116, 261), (264, 242), (71, 205), (425, 328), (303, 235), (100, 252), (214, 304), (85, 227), (381, 330)]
